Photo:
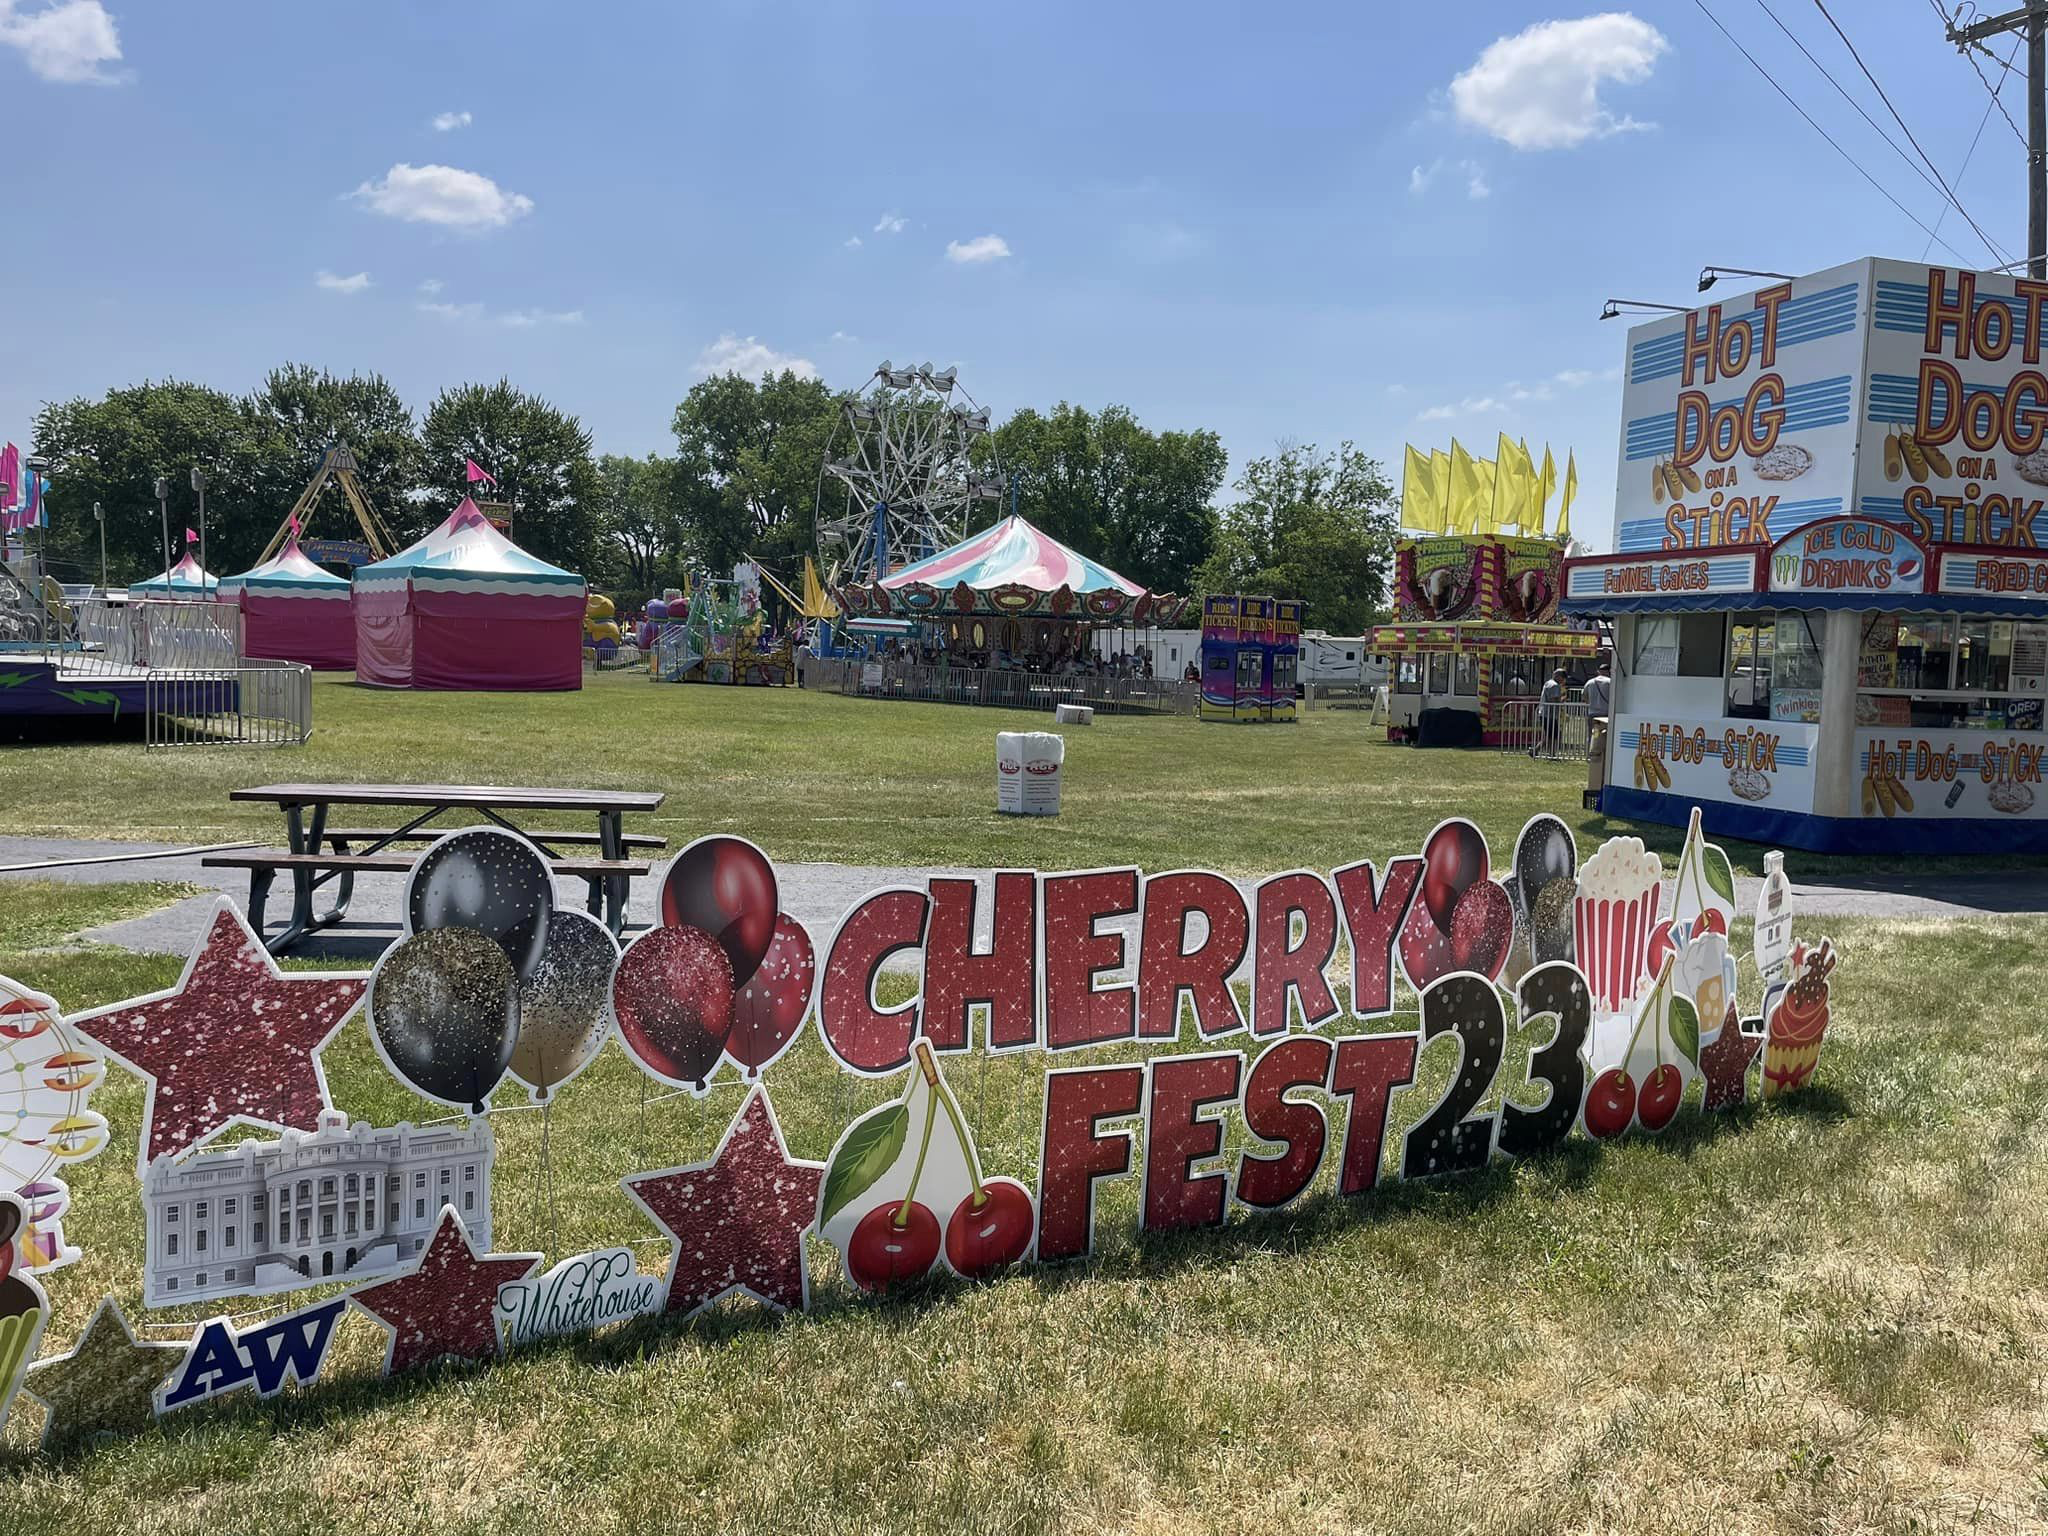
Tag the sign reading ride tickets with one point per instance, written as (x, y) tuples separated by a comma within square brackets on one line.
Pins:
[(1908, 394)]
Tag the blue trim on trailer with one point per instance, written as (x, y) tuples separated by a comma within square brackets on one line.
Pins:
[(1830, 834)]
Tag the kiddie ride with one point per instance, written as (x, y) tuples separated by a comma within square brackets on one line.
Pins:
[(603, 643), (720, 636)]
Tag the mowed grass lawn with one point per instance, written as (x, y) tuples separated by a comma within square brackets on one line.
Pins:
[(858, 781), (1822, 1315)]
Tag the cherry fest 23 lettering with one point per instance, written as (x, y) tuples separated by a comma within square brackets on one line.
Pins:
[(1103, 957)]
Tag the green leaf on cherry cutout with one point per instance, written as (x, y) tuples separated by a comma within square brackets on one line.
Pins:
[(875, 1142), (1719, 872), (1683, 1024)]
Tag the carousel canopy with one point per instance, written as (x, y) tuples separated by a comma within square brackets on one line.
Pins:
[(1008, 570), (185, 579)]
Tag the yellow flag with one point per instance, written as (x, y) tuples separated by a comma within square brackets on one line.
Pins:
[(1421, 506), (1487, 473), (1546, 487), (1467, 494), (1571, 489), (1532, 489), (1440, 468), (1509, 486)]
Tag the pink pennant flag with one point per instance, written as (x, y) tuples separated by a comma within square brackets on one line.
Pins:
[(191, 537), (10, 475), (292, 522), (476, 472)]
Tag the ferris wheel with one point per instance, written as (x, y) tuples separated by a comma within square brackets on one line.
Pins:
[(910, 460)]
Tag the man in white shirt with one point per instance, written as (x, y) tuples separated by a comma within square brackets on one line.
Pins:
[(1599, 692)]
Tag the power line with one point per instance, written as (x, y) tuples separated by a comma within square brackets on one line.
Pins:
[(1821, 6), (1856, 164), (1890, 142), (1970, 153), (1969, 52)]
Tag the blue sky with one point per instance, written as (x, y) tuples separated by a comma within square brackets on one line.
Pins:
[(1378, 221)]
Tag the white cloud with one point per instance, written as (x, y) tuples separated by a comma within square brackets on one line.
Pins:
[(852, 242), (448, 122), (430, 285), (890, 224), (980, 248), (441, 194), (750, 358), (512, 319), (355, 282), (1514, 392), (844, 336), (69, 42), (526, 319), (1420, 178), (1540, 89)]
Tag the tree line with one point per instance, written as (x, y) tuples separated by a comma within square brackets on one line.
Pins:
[(742, 481)]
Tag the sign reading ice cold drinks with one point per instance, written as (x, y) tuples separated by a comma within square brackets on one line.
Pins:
[(1848, 555)]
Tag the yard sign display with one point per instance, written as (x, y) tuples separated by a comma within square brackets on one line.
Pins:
[(1628, 990)]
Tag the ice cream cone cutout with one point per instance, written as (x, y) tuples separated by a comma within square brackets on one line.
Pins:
[(1798, 1021)]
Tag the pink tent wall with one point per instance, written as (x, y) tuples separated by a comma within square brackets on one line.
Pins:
[(292, 610), (467, 608)]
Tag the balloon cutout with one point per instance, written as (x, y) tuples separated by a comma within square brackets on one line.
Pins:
[(564, 1006), (487, 879), (770, 1006), (672, 995), (444, 1011), (725, 886)]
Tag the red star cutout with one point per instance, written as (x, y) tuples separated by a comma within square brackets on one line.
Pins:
[(736, 1223), (236, 1041), (1724, 1064), (448, 1304)]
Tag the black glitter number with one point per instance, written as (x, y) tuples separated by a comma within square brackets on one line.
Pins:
[(1444, 1141), (1559, 991)]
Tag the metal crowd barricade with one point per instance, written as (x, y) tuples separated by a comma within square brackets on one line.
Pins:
[(1558, 732), (1001, 688), (257, 704), (155, 632)]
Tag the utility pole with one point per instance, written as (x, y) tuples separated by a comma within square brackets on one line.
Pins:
[(2034, 17)]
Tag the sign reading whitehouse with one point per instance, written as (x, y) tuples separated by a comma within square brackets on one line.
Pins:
[(1916, 396)]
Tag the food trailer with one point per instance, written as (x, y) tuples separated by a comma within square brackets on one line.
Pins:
[(1830, 604), (1250, 648), (1476, 629)]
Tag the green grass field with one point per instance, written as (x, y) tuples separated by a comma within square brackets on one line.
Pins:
[(856, 781), (1822, 1315)]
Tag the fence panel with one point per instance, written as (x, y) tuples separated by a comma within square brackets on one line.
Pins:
[(1555, 731), (258, 704), (1001, 689)]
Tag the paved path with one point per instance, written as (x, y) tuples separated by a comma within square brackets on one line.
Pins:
[(817, 895)]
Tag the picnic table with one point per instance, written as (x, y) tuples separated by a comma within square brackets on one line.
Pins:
[(317, 854)]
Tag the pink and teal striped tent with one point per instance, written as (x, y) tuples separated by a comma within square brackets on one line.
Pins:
[(1010, 570)]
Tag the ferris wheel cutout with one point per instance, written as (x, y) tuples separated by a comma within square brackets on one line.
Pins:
[(910, 462)]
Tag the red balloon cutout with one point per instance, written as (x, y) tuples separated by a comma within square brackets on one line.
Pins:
[(725, 886), (770, 1007), (673, 995)]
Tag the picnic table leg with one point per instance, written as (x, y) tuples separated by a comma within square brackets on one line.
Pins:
[(611, 844)]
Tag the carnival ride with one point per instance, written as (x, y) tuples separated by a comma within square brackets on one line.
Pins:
[(910, 461), (338, 467), (722, 636)]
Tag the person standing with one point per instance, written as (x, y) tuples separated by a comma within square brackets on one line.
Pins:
[(1549, 713), (1599, 704)]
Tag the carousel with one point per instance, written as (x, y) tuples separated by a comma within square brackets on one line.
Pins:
[(1010, 598), (1476, 630)]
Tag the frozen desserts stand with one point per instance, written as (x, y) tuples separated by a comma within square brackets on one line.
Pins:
[(1830, 600)]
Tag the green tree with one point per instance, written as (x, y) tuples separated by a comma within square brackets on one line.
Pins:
[(1310, 525), (641, 541), (308, 411), (1116, 490), (747, 462), (112, 450), (539, 456)]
